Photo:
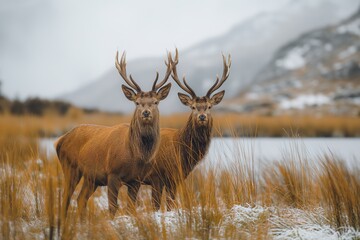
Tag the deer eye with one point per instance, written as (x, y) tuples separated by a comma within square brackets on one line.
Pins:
[(193, 107), (137, 104), (209, 107), (156, 103)]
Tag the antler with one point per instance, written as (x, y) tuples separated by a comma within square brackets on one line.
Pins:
[(225, 75), (155, 86), (121, 67), (174, 75)]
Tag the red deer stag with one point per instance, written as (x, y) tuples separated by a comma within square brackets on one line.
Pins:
[(113, 155), (182, 149)]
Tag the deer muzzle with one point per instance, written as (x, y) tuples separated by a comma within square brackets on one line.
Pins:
[(202, 119), (146, 116), (146, 113)]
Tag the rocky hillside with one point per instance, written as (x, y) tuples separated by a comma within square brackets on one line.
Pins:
[(317, 73)]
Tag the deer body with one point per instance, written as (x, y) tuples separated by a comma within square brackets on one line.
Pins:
[(111, 156), (98, 151)]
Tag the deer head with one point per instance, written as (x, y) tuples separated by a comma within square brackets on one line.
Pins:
[(201, 106), (146, 102)]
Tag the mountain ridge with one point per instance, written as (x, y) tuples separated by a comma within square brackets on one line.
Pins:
[(317, 73)]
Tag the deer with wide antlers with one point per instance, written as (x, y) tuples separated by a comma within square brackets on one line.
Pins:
[(182, 149), (111, 156)]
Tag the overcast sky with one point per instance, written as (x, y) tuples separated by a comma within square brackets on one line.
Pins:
[(49, 47)]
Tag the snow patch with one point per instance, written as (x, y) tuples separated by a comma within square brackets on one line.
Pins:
[(244, 214), (294, 58), (328, 47), (338, 65), (299, 224), (352, 27), (347, 52), (356, 100), (315, 231), (252, 96), (301, 101), (102, 200)]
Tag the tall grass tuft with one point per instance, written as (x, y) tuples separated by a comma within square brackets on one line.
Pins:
[(290, 181), (340, 188)]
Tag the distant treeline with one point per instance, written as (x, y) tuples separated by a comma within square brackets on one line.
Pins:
[(37, 106)]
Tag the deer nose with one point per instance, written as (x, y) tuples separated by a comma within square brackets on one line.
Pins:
[(146, 113), (202, 117)]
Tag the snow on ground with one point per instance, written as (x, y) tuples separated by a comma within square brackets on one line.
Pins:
[(356, 100), (287, 223), (294, 58), (300, 224), (301, 101), (348, 52), (352, 27)]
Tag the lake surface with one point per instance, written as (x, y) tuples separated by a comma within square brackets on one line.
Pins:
[(258, 151), (262, 151)]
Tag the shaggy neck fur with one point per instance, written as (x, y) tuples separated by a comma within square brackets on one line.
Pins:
[(195, 141), (144, 139)]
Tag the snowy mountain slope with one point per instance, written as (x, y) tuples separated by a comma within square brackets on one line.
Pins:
[(251, 44), (318, 70)]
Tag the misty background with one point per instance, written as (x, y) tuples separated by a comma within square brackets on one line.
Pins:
[(66, 49)]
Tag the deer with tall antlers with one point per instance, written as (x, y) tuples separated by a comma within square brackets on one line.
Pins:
[(110, 156), (182, 149)]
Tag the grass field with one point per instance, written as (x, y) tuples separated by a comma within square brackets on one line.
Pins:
[(289, 199), (224, 124)]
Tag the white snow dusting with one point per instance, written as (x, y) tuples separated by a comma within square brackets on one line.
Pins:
[(301, 101), (252, 96), (347, 52), (294, 58), (352, 27)]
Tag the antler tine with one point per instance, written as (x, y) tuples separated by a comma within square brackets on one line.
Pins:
[(121, 67), (174, 75), (135, 84), (166, 77), (155, 81), (225, 75)]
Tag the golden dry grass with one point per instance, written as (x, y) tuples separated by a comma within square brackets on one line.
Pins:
[(210, 204), (224, 124)]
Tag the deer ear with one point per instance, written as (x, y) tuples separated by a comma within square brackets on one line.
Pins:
[(216, 99), (185, 99), (129, 93), (164, 92)]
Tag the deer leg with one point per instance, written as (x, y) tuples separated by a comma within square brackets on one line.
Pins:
[(88, 188), (72, 177), (170, 196), (114, 184), (133, 189), (157, 187)]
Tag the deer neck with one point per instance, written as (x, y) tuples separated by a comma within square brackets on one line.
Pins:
[(195, 141), (143, 139)]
